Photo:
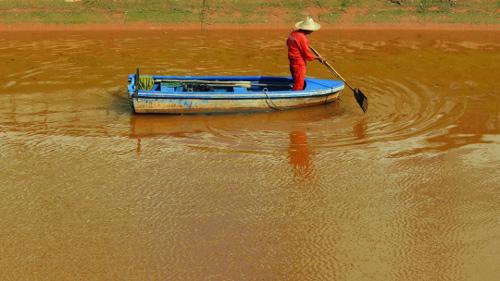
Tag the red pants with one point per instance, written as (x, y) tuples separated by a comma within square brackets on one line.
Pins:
[(298, 72)]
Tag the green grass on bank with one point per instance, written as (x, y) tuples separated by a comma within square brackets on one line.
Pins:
[(247, 11)]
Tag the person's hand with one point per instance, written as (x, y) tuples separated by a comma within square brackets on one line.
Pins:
[(321, 59)]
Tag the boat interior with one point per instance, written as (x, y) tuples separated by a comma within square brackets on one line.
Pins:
[(174, 84), (231, 84), (237, 87)]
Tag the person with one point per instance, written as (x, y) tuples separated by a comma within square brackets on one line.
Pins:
[(298, 51)]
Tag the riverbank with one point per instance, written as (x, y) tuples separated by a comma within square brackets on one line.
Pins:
[(197, 26), (127, 14)]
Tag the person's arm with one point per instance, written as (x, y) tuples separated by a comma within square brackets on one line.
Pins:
[(304, 49), (306, 52)]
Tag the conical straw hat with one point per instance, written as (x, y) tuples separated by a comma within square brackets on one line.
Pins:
[(308, 24)]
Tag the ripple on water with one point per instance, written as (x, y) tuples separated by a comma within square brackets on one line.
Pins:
[(310, 193), (404, 110)]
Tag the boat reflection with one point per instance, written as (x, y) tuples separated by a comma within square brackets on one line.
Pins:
[(262, 132), (151, 125)]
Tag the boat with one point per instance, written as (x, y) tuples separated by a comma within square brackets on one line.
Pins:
[(226, 94)]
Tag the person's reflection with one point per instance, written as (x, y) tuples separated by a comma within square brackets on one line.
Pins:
[(359, 129), (138, 147), (299, 155)]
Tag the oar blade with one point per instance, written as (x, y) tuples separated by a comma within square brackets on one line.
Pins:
[(361, 99)]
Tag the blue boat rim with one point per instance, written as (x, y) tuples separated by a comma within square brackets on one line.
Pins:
[(315, 87)]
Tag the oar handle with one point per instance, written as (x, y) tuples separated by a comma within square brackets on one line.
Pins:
[(330, 67), (227, 83)]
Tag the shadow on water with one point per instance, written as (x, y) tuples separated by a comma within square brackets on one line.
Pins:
[(119, 102)]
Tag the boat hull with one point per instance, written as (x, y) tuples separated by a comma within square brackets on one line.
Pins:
[(249, 101), (199, 106)]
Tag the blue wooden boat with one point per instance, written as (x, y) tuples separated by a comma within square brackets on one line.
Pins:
[(225, 94)]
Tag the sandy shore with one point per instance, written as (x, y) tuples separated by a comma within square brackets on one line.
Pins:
[(197, 26)]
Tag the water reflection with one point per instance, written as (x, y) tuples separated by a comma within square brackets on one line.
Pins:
[(300, 155), (260, 133), (359, 129)]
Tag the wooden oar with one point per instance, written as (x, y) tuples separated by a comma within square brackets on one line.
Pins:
[(360, 97), (215, 83), (201, 81), (245, 84)]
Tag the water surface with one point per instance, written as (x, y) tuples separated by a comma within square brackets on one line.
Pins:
[(408, 191)]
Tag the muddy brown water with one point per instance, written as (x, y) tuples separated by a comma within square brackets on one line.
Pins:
[(408, 191)]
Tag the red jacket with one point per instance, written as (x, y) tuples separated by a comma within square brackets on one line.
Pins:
[(298, 48)]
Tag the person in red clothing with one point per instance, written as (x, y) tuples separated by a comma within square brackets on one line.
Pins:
[(298, 51)]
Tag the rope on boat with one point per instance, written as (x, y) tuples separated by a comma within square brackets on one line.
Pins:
[(269, 102)]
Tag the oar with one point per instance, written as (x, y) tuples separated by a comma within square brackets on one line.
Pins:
[(360, 97), (200, 81), (226, 83), (245, 84)]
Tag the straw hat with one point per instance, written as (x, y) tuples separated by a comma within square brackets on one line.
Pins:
[(308, 24)]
